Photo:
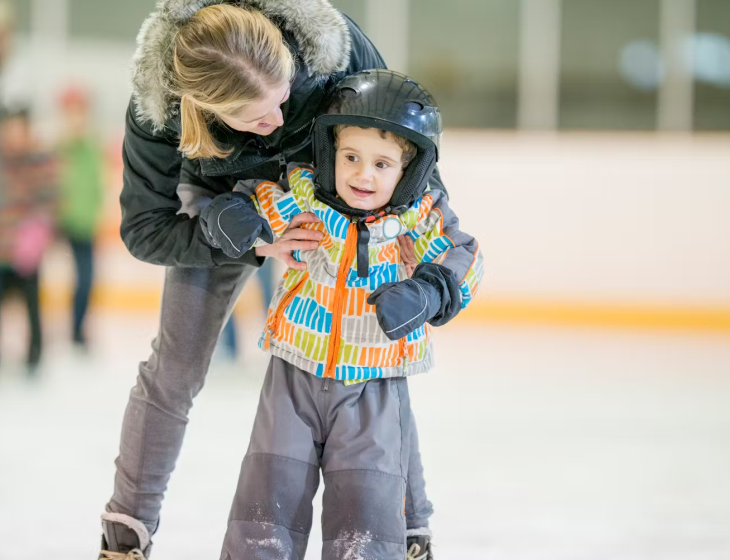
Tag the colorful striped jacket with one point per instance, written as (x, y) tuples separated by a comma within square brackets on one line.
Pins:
[(319, 319)]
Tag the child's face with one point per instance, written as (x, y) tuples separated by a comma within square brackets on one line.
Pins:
[(14, 135), (367, 167), (76, 119)]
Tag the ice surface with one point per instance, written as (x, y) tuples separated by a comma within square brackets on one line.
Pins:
[(537, 444)]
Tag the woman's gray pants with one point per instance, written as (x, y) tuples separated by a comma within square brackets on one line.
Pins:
[(196, 303), (358, 435)]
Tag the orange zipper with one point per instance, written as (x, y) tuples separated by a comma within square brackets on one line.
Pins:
[(283, 304), (334, 345)]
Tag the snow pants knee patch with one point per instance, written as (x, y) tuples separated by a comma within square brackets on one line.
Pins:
[(271, 516), (375, 528)]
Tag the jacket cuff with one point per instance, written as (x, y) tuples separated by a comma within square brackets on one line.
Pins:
[(248, 258), (447, 285)]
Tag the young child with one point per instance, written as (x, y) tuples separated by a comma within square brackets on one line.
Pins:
[(27, 200), (81, 197), (346, 331)]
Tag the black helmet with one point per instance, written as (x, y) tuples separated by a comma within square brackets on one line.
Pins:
[(389, 101)]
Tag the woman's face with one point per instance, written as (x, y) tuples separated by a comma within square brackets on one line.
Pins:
[(260, 117)]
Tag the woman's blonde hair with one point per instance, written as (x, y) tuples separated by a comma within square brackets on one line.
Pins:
[(225, 58)]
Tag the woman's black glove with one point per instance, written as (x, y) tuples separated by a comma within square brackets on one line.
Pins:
[(230, 223), (431, 294)]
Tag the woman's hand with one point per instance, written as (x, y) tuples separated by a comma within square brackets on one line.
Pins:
[(408, 254), (295, 238)]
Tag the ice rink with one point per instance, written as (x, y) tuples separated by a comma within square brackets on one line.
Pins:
[(580, 407), (544, 444)]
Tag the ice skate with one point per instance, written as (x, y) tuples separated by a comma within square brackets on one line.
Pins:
[(418, 547), (124, 538)]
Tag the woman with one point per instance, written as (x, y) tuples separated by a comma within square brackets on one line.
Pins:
[(222, 91)]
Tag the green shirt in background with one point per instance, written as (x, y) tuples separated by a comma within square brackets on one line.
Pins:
[(82, 188)]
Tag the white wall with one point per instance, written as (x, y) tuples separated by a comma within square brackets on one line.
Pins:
[(37, 73), (639, 218), (581, 218), (598, 217)]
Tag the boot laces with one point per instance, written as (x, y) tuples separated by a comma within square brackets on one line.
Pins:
[(414, 550), (134, 554)]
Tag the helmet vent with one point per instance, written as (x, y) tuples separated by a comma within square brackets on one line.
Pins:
[(349, 92), (414, 107)]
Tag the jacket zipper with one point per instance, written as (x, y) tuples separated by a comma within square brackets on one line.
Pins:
[(265, 159), (349, 254), (283, 304), (298, 130), (283, 154), (404, 354), (266, 144)]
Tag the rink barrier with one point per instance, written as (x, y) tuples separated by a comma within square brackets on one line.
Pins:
[(495, 310)]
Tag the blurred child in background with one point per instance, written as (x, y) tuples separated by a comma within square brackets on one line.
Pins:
[(81, 197), (228, 343), (27, 208), (6, 31)]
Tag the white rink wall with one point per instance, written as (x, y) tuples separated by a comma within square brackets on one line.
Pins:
[(636, 220), (596, 217), (37, 72), (603, 218)]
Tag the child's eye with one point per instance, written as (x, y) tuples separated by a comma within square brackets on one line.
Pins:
[(382, 165), (351, 158)]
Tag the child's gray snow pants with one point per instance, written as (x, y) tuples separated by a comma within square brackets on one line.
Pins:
[(358, 435), (196, 303)]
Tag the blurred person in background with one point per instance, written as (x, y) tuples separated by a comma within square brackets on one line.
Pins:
[(222, 91), (27, 207), (228, 343), (227, 348), (15, 73), (81, 197), (6, 32)]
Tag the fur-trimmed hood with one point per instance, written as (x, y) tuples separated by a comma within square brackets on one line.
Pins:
[(319, 29)]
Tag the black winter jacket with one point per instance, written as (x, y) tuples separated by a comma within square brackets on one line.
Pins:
[(327, 45)]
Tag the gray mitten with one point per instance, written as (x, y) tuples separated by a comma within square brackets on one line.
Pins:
[(402, 307), (230, 223), (432, 294)]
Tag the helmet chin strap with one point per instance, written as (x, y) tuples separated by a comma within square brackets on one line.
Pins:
[(337, 203), (330, 197), (361, 218)]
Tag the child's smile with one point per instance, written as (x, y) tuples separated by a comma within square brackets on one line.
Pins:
[(361, 192)]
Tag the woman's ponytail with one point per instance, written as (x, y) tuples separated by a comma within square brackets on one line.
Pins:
[(195, 138)]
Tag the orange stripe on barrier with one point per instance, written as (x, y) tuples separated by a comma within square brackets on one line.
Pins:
[(587, 314), (518, 311)]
